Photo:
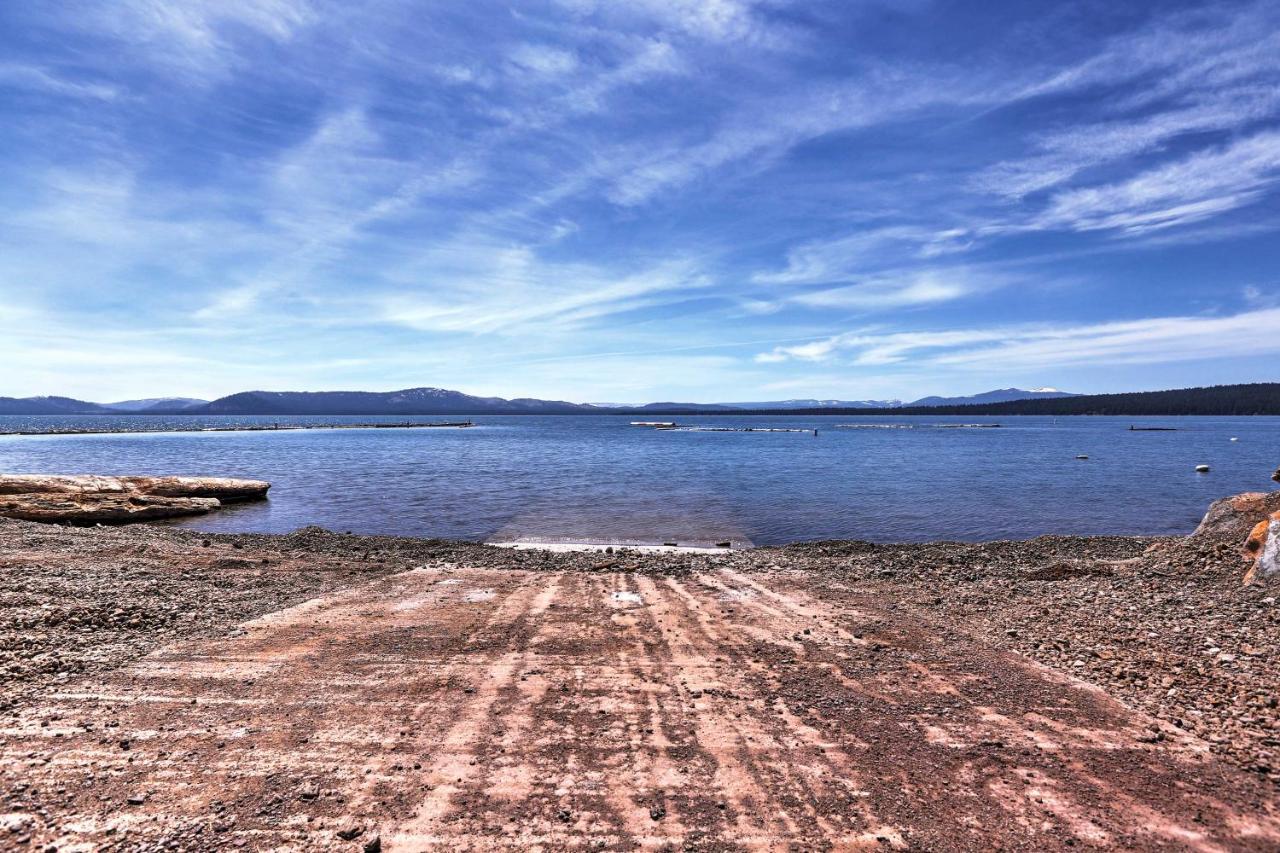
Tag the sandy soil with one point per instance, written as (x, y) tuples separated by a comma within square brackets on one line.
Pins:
[(423, 695)]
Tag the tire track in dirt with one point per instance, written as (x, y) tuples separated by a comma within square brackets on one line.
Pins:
[(727, 782), (456, 779), (445, 727), (332, 699), (1059, 759), (458, 708), (802, 768)]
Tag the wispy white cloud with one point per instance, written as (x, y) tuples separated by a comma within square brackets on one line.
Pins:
[(510, 289), (716, 21), (542, 60), (32, 77), (1261, 297), (334, 177), (1215, 45), (743, 137), (849, 257), (651, 59), (1151, 340), (196, 34), (463, 74), (1171, 107), (869, 347), (1068, 152), (923, 287), (1162, 339), (233, 303), (680, 376), (1206, 183)]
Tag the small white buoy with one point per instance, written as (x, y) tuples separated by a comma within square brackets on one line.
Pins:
[(1202, 469), (1233, 438)]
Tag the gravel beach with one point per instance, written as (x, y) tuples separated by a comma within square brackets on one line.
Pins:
[(1161, 625)]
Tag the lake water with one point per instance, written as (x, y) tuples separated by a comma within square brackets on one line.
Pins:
[(597, 478)]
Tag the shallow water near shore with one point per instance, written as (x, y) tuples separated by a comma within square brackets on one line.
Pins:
[(598, 478)]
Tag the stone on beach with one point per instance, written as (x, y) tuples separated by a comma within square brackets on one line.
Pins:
[(1236, 516), (89, 499), (1263, 547)]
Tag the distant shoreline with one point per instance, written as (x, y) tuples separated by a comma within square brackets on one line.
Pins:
[(1261, 398), (314, 421), (275, 427)]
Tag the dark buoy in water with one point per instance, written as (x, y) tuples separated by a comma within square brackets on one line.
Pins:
[(1082, 456)]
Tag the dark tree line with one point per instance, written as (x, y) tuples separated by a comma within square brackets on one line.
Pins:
[(1260, 398)]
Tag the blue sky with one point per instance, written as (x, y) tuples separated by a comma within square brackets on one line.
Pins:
[(657, 199)]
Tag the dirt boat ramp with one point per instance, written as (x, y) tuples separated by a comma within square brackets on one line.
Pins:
[(466, 698)]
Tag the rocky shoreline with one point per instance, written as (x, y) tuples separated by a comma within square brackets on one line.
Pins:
[(904, 665), (1164, 625)]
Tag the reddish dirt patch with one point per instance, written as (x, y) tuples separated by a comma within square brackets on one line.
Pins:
[(467, 707)]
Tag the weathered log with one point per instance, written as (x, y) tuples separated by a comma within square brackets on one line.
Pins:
[(101, 508), (22, 484), (88, 499), (222, 488)]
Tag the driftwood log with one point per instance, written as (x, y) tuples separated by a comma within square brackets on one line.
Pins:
[(89, 499)]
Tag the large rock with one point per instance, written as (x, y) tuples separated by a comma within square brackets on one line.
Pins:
[(1263, 547), (87, 499), (1237, 516)]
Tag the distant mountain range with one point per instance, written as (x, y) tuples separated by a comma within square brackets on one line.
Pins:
[(1254, 399), (68, 406), (154, 403), (784, 405), (49, 406), (411, 401), (810, 404), (1001, 395), (440, 401)]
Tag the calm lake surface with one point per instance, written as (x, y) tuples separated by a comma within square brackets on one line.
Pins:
[(597, 478)]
